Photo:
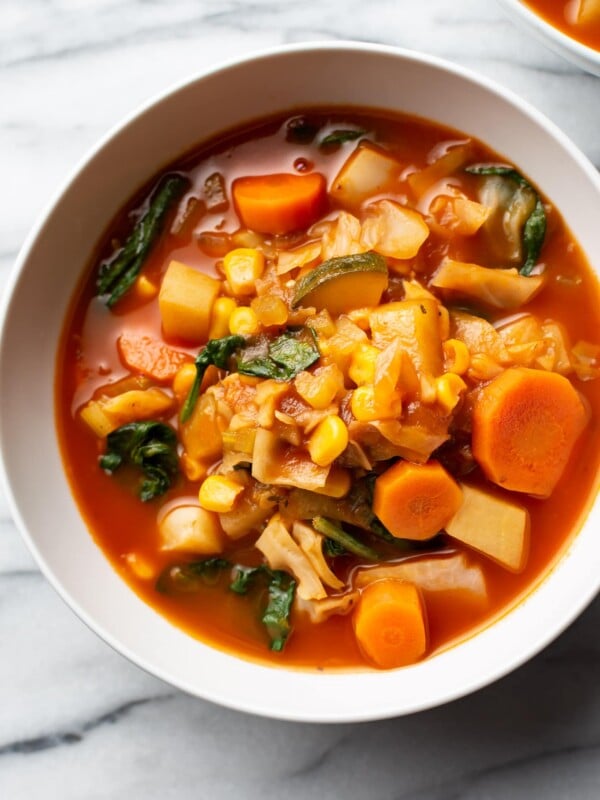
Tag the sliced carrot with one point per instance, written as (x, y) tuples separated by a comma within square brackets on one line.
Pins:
[(390, 625), (150, 357), (281, 202), (525, 425), (415, 501)]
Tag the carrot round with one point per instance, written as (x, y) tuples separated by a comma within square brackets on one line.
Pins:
[(281, 202), (525, 424), (389, 623), (151, 357), (415, 501)]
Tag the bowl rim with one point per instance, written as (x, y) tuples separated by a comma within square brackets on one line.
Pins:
[(583, 56), (244, 701)]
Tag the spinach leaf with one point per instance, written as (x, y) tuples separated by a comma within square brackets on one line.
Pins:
[(281, 588), (340, 136), (287, 355), (333, 549), (217, 352), (151, 447), (348, 542), (534, 230), (118, 274), (276, 616), (184, 578)]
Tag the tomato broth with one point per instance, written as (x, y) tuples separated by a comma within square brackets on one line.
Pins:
[(421, 162)]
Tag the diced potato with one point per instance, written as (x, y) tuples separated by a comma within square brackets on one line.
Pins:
[(438, 573), (415, 325), (442, 168), (106, 414), (393, 230), (493, 526), (185, 302), (499, 288), (191, 529), (201, 435), (364, 173)]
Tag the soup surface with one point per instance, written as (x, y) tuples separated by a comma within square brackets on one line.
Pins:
[(328, 397), (579, 19)]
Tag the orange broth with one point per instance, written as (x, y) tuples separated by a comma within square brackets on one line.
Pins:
[(88, 360), (564, 17)]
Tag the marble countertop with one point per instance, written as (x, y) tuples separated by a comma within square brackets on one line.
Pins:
[(77, 720)]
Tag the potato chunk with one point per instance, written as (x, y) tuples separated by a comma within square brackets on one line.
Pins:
[(191, 529), (185, 301), (493, 526)]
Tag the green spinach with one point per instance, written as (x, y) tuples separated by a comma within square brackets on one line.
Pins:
[(118, 274), (216, 353), (149, 446), (287, 355)]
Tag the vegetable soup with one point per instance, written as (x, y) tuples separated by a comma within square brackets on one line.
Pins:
[(579, 19), (328, 396)]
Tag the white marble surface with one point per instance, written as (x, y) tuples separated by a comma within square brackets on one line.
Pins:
[(76, 719)]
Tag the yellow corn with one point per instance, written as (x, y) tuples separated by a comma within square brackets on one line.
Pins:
[(222, 310), (448, 390), (182, 382), (328, 441), (243, 322), (270, 310), (362, 364), (219, 493), (456, 356), (145, 289), (242, 268), (320, 388), (366, 409)]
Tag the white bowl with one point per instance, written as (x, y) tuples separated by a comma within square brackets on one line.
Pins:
[(36, 301), (579, 54)]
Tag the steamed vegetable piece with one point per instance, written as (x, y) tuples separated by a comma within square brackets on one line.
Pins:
[(525, 425), (150, 356), (523, 201), (364, 174), (415, 501), (216, 353), (281, 202), (192, 529), (118, 274), (149, 446), (283, 358), (185, 301), (588, 12), (343, 283), (432, 574), (281, 588), (389, 623), (499, 288), (340, 136), (492, 525)]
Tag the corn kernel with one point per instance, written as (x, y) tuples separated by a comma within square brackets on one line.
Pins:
[(270, 310), (456, 356), (145, 289), (243, 322), (221, 313), (183, 380), (320, 388), (362, 364), (242, 268), (338, 483), (328, 441), (366, 409), (448, 390), (219, 493)]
